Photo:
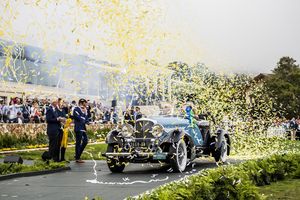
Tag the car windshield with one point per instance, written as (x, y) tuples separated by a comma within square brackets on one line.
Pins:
[(162, 110)]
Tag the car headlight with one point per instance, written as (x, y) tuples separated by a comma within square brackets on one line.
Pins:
[(127, 130), (157, 130)]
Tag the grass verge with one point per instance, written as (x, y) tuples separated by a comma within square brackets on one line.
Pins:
[(287, 189), (7, 168)]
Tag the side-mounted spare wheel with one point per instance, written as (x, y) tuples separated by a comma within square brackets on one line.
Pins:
[(116, 165), (178, 156)]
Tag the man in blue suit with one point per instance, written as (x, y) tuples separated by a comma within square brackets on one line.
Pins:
[(80, 120), (53, 128)]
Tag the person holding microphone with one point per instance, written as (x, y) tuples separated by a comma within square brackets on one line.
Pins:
[(80, 120)]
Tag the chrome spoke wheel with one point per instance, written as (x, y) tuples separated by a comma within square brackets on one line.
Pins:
[(179, 159)]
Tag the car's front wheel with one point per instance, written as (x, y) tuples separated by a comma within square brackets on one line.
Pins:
[(178, 153), (115, 165)]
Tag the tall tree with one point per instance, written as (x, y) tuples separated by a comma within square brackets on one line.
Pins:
[(284, 86)]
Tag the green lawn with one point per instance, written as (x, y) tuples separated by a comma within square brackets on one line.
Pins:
[(94, 149), (288, 189)]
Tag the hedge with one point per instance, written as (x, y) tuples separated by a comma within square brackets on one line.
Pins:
[(238, 181)]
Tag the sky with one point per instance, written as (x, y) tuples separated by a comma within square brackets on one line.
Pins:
[(225, 35), (238, 35)]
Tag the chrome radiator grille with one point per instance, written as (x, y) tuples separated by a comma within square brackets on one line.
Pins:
[(143, 129)]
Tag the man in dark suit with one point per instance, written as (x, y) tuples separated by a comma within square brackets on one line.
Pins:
[(53, 127), (80, 120), (61, 113)]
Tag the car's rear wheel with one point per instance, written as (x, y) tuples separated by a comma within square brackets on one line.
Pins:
[(221, 152), (178, 153), (115, 165)]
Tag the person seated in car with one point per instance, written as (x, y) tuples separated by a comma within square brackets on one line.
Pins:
[(129, 117), (190, 114), (137, 113)]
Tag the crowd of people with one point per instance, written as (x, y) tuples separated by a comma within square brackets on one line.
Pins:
[(283, 126), (34, 111)]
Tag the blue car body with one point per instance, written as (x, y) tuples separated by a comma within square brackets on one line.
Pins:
[(172, 123)]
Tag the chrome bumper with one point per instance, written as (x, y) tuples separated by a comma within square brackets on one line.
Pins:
[(162, 155), (127, 154)]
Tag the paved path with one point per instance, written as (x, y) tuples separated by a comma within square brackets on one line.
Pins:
[(136, 178)]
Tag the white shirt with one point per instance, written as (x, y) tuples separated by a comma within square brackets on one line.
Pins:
[(12, 112)]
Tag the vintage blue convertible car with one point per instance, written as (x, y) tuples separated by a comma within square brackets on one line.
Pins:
[(165, 139)]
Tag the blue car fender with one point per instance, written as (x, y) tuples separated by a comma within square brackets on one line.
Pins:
[(112, 138), (175, 135)]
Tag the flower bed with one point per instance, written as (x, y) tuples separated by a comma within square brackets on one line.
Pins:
[(230, 182), (28, 136)]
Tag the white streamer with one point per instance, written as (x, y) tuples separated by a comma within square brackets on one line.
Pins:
[(95, 181), (126, 183)]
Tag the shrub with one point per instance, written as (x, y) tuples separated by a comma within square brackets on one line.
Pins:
[(100, 134), (14, 141), (257, 144)]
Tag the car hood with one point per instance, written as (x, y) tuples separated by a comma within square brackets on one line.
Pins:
[(168, 122)]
